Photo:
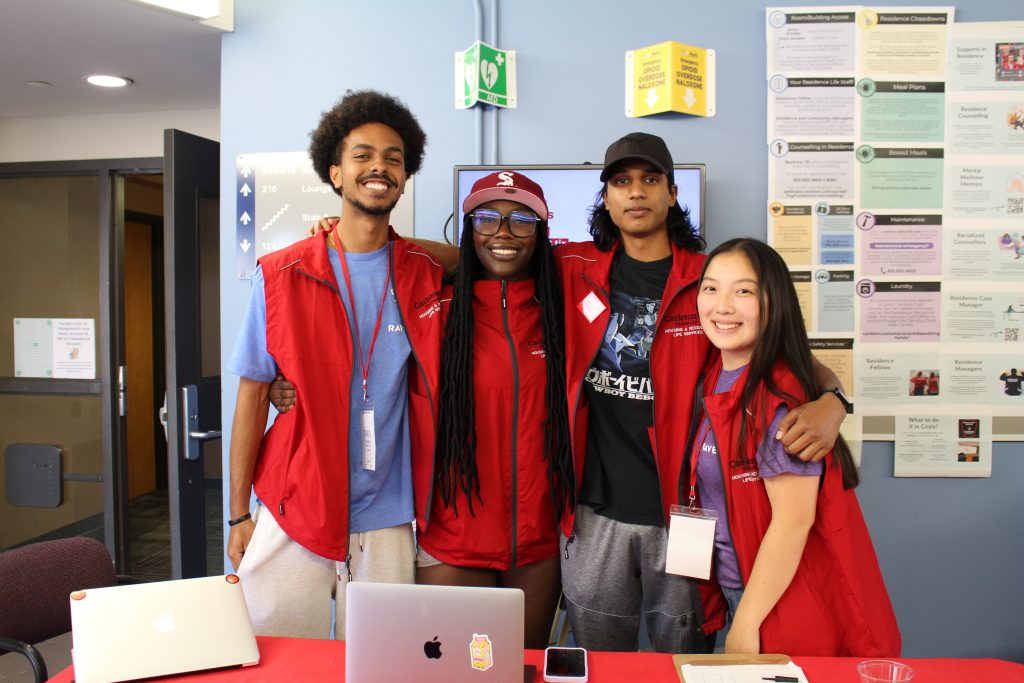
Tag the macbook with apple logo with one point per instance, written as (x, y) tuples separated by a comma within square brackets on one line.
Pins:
[(433, 634), (134, 631)]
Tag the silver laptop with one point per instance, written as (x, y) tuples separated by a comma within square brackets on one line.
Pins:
[(155, 629), (433, 634)]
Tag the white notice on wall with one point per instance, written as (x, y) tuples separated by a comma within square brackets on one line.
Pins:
[(59, 348), (74, 348)]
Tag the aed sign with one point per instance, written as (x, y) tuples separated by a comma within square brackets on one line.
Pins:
[(670, 76), (485, 74)]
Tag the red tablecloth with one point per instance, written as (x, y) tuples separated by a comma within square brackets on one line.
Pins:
[(290, 659)]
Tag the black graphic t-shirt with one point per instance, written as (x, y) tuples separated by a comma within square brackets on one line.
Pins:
[(620, 479)]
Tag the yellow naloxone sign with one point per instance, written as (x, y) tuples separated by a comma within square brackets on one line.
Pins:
[(670, 76)]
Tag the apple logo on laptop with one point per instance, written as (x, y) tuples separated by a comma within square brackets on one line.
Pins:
[(432, 649), (164, 624)]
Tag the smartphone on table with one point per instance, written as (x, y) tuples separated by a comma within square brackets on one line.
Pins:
[(565, 665)]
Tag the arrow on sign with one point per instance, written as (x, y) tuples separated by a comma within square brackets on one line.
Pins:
[(245, 244), (246, 190), (246, 218), (652, 98), (689, 98), (246, 171)]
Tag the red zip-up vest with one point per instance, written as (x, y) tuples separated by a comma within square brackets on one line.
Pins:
[(677, 354), (837, 604), (513, 524), (302, 468)]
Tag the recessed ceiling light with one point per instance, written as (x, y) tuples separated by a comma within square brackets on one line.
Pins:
[(108, 81), (39, 84)]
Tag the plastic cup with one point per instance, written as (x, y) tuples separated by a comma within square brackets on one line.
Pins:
[(884, 671)]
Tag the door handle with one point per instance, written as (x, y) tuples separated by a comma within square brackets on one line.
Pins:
[(162, 413), (190, 423)]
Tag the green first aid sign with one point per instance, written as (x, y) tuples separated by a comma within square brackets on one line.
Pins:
[(485, 74)]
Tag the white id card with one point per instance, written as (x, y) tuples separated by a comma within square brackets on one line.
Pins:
[(369, 444), (691, 542)]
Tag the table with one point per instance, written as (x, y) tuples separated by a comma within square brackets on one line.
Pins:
[(293, 659)]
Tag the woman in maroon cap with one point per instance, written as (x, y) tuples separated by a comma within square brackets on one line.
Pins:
[(503, 465), (503, 470)]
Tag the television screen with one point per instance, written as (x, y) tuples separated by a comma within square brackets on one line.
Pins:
[(570, 191)]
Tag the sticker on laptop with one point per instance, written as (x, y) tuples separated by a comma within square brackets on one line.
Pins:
[(481, 654)]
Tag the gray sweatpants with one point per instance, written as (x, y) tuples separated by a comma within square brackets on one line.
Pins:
[(612, 574), (288, 589)]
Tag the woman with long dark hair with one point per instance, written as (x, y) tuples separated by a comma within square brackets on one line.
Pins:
[(793, 557), (503, 467)]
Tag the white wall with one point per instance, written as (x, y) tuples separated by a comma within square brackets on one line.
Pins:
[(99, 136)]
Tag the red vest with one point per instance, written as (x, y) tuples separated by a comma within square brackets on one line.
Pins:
[(677, 354), (836, 604), (514, 525), (302, 467)]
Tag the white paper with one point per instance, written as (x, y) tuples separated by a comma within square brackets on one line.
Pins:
[(739, 673), (369, 439), (74, 348), (59, 348)]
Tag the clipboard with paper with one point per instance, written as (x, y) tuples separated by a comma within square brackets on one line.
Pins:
[(737, 669)]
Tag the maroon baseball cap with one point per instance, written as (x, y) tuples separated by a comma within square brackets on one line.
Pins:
[(508, 185)]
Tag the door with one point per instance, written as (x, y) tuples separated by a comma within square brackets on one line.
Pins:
[(192, 330)]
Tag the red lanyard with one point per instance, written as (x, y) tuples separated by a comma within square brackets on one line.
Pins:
[(364, 366), (698, 445)]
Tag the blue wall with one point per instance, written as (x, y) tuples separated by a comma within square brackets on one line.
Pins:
[(952, 550)]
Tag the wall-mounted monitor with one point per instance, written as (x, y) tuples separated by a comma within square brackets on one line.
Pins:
[(570, 190)]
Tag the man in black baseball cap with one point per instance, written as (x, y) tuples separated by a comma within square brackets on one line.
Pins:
[(642, 265)]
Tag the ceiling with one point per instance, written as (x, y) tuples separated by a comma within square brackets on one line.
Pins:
[(175, 62)]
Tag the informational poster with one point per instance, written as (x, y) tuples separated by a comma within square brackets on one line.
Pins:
[(895, 142), (279, 196), (56, 348), (958, 444)]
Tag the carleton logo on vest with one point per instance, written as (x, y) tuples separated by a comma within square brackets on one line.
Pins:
[(748, 467), (681, 325), (432, 302), (536, 347)]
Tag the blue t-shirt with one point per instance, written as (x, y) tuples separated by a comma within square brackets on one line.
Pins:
[(382, 497), (772, 460)]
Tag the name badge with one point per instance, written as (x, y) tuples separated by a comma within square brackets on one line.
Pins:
[(691, 541), (369, 440)]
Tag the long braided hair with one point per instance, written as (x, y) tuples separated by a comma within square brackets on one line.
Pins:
[(455, 459)]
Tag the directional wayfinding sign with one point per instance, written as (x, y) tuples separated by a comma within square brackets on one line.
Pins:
[(485, 74), (670, 76), (279, 196)]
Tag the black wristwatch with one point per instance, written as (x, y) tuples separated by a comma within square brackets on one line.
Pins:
[(842, 397)]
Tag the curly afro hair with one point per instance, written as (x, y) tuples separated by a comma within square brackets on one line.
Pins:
[(356, 109)]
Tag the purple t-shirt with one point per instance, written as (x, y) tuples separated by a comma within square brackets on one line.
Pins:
[(772, 460)]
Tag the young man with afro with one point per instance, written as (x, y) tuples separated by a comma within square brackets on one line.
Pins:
[(351, 316)]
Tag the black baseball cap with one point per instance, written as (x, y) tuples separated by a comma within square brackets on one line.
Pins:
[(644, 146)]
